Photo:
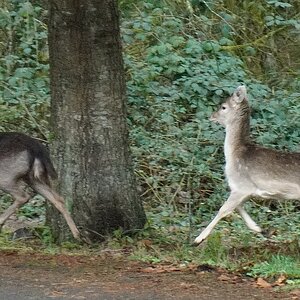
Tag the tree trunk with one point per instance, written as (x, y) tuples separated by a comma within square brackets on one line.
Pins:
[(90, 143)]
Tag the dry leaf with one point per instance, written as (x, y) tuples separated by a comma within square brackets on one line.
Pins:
[(281, 280), (173, 269), (147, 243), (263, 283), (161, 269), (224, 277), (152, 270)]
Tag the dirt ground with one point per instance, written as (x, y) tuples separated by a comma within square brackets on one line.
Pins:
[(37, 276)]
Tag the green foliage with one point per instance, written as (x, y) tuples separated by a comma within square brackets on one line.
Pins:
[(277, 264), (176, 77), (281, 114), (175, 80), (215, 253), (35, 209), (182, 59), (24, 87), (280, 14), (44, 235)]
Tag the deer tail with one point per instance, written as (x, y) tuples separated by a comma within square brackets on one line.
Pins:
[(43, 169)]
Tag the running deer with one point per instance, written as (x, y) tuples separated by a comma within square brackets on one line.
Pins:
[(25, 161), (251, 170)]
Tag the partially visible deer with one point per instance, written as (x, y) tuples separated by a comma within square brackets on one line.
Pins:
[(251, 170), (24, 160)]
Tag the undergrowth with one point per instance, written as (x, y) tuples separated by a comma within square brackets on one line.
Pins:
[(182, 58), (167, 239)]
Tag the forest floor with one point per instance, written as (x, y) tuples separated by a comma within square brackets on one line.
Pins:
[(39, 276)]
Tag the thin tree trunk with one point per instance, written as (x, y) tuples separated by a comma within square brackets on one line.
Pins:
[(90, 142)]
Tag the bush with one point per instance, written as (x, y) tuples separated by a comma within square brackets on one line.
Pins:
[(176, 78), (182, 59), (24, 88)]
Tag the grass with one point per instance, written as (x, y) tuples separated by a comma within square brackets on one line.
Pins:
[(168, 236), (277, 265)]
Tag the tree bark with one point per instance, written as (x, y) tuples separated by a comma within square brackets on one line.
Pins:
[(90, 142)]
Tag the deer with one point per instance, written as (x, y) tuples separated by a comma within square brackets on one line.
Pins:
[(24, 161), (251, 170)]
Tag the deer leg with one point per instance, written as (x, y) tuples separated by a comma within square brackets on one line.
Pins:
[(234, 200), (58, 202), (20, 198), (248, 220)]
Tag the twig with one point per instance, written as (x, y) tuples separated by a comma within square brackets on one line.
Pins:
[(156, 194), (22, 102)]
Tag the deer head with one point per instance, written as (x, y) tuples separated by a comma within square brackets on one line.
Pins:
[(231, 107)]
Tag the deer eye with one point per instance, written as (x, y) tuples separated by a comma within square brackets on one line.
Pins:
[(223, 107)]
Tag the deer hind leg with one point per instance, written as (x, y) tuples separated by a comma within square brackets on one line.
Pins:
[(20, 198), (234, 200), (47, 192), (248, 220)]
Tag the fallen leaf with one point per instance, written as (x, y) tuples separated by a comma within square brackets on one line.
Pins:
[(281, 280), (263, 283), (147, 243), (236, 279), (224, 277), (173, 269), (161, 269), (152, 270)]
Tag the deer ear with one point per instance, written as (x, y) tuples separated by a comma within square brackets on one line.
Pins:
[(240, 94)]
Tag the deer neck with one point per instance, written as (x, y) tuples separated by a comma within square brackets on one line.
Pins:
[(237, 137)]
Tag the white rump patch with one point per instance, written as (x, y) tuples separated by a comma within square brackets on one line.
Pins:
[(37, 168)]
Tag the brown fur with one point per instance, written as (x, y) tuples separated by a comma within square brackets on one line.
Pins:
[(25, 160), (251, 170)]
